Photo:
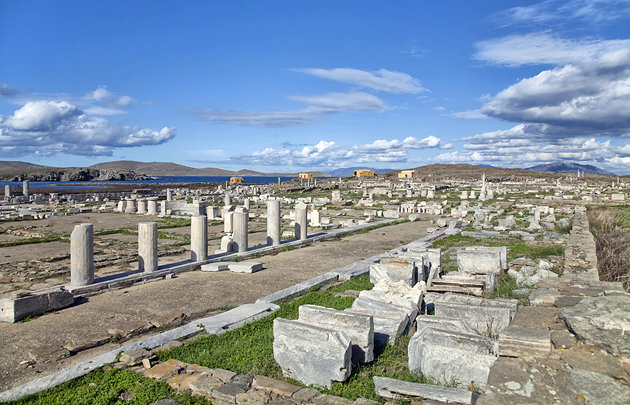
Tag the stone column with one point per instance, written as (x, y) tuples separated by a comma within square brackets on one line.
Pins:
[(241, 219), (7, 191), (301, 221), (227, 199), (152, 206), (121, 205), (25, 188), (228, 219), (142, 206), (273, 222), (198, 238), (316, 219), (246, 203), (130, 208), (147, 247), (169, 194), (82, 255)]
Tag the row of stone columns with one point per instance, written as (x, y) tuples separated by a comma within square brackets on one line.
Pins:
[(236, 223)]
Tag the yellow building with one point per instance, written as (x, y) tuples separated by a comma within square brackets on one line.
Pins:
[(364, 173), (305, 175), (406, 174), (236, 180)]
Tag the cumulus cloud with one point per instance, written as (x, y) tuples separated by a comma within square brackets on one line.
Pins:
[(380, 80), (45, 127), (587, 99), (110, 103), (319, 105), (329, 154), (544, 48)]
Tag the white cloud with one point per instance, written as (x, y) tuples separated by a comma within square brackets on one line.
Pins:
[(45, 127), (113, 104), (563, 12), (329, 154), (380, 80), (544, 48), (586, 99), (8, 91), (320, 105), (470, 114)]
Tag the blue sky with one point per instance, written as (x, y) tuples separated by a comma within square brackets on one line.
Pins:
[(297, 85)]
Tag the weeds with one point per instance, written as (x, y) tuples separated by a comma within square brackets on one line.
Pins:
[(611, 229)]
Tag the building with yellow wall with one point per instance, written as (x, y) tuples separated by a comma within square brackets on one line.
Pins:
[(236, 180), (364, 173), (406, 174), (305, 175)]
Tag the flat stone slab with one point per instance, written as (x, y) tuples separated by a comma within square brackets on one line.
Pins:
[(390, 388), (245, 267), (515, 341), (390, 320), (36, 303), (311, 354), (601, 321), (394, 270), (457, 339), (217, 266)]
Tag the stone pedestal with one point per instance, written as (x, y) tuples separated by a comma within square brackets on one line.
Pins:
[(121, 205), (301, 221), (152, 206), (147, 247), (142, 207), (241, 219), (130, 207), (273, 222), (82, 255), (198, 238)]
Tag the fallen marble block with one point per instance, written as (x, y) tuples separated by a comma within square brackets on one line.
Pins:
[(410, 307), (403, 290), (245, 267), (455, 339), (392, 389), (446, 364), (442, 322), (515, 341), (478, 261), (358, 327), (394, 270), (218, 266), (390, 321), (35, 303), (311, 354)]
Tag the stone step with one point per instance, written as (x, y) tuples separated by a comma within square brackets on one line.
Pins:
[(392, 389)]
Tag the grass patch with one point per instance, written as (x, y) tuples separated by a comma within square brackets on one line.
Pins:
[(170, 222), (35, 240), (611, 230), (106, 387), (506, 285)]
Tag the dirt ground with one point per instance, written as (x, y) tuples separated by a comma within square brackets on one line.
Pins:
[(35, 348)]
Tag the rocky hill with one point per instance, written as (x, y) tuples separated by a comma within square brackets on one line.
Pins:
[(571, 168), (75, 174)]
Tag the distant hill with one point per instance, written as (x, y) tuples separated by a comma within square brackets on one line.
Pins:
[(563, 167), (466, 171), (8, 166), (161, 168), (348, 171)]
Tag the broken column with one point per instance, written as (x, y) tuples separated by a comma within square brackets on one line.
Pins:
[(25, 188), (130, 207), (169, 194), (7, 192), (239, 238), (152, 206), (142, 206), (301, 221), (147, 246), (273, 222), (198, 238), (82, 255), (246, 203), (227, 199)]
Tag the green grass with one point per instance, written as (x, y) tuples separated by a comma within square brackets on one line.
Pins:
[(105, 387), (506, 284), (35, 240), (170, 222)]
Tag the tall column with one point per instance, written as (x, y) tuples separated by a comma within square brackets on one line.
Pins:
[(169, 194), (301, 221), (273, 222), (25, 188), (198, 238), (147, 247), (7, 191), (239, 238), (246, 203), (228, 219), (82, 255)]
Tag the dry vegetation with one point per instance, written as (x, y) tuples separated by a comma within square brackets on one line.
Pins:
[(611, 228)]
